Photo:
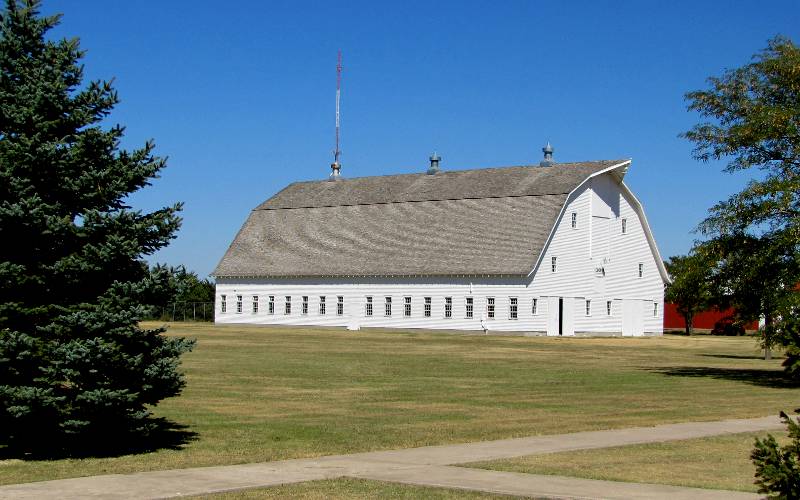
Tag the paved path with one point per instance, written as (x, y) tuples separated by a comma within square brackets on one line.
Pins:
[(430, 466)]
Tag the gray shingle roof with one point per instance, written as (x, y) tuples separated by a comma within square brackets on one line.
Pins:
[(475, 222)]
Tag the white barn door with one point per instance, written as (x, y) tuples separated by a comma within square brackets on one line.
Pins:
[(552, 316), (568, 318), (560, 316), (632, 318)]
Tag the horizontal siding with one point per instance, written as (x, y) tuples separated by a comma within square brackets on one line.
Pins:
[(576, 277), (355, 299)]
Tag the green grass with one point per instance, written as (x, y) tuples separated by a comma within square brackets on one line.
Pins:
[(351, 489), (720, 462), (259, 394)]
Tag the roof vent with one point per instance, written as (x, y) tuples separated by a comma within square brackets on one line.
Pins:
[(434, 168), (548, 156)]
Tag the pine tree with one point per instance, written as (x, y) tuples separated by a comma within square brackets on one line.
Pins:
[(75, 368)]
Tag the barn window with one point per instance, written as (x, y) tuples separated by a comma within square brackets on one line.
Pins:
[(368, 307), (512, 308), (655, 309), (448, 307), (407, 306), (387, 307), (223, 304), (574, 220), (624, 226), (304, 306), (322, 305), (427, 310), (271, 304), (608, 308), (468, 306), (255, 304), (641, 269), (287, 305), (490, 307), (534, 306), (339, 305), (588, 307), (553, 262), (238, 303)]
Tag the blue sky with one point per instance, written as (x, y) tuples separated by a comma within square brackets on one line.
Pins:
[(240, 96)]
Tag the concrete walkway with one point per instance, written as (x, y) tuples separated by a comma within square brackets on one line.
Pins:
[(429, 466)]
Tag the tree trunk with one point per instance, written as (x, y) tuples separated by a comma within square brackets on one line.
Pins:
[(688, 320), (767, 332)]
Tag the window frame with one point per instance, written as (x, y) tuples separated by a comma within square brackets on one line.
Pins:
[(407, 306), (469, 307), (223, 304), (624, 225), (588, 307), (574, 220), (271, 304), (641, 269), (387, 306), (304, 305), (553, 263), (255, 304), (368, 306), (239, 304), (426, 310), (340, 305), (287, 305), (534, 306), (490, 307), (322, 305), (513, 308), (609, 308), (448, 307)]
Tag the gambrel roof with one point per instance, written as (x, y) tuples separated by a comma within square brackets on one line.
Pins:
[(493, 221)]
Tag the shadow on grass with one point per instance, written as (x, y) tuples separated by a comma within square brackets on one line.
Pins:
[(163, 435), (739, 356), (759, 377)]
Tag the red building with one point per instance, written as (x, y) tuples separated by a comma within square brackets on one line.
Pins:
[(712, 319)]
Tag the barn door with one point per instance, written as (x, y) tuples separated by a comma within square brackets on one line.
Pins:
[(632, 318), (568, 316), (553, 316)]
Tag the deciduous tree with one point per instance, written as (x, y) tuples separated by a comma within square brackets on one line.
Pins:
[(690, 287), (753, 122)]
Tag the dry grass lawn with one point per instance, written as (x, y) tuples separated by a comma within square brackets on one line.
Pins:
[(258, 394), (356, 489), (720, 462)]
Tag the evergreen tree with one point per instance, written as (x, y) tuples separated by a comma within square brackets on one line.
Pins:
[(778, 467), (75, 368)]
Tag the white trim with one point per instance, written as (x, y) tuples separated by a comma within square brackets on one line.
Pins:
[(650, 239), (619, 166), (619, 170)]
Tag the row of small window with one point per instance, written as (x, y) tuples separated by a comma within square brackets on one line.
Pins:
[(554, 266), (469, 306), (623, 223), (287, 304)]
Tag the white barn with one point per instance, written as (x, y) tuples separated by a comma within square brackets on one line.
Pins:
[(553, 249)]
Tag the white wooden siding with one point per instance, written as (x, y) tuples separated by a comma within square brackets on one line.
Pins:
[(597, 242)]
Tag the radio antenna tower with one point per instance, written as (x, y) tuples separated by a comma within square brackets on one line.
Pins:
[(336, 166)]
